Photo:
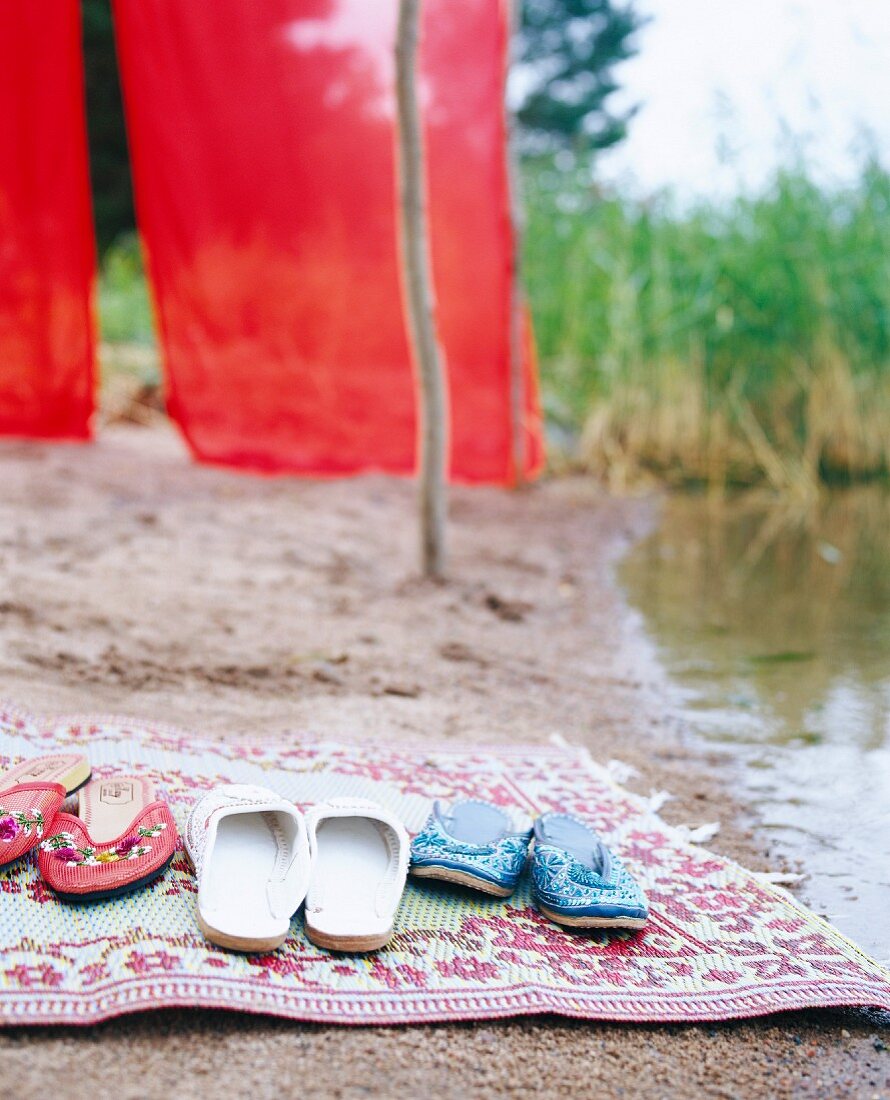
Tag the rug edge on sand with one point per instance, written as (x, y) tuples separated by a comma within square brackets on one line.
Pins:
[(446, 1010)]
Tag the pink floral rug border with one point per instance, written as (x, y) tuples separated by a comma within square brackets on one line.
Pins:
[(721, 943)]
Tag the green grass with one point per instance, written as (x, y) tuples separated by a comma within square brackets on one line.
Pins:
[(739, 342), (128, 354), (124, 304)]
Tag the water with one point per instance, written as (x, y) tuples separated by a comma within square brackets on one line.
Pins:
[(775, 622)]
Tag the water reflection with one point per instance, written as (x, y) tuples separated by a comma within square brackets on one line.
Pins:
[(775, 620)]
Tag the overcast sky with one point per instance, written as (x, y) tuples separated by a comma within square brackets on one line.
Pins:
[(736, 73)]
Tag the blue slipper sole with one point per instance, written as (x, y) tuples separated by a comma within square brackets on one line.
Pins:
[(592, 921)]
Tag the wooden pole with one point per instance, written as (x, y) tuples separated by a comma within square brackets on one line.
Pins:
[(417, 287)]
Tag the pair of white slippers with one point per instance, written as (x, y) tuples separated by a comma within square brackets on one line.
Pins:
[(257, 858)]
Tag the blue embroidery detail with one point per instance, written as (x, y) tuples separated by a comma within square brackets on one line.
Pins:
[(500, 862), (563, 883)]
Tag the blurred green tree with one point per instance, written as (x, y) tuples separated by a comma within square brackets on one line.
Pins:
[(566, 54), (109, 161)]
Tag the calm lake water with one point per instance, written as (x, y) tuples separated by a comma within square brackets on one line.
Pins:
[(775, 622)]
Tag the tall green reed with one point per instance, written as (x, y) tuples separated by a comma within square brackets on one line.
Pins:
[(735, 342)]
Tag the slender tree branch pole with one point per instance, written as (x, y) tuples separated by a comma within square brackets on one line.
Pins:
[(417, 287), (517, 295)]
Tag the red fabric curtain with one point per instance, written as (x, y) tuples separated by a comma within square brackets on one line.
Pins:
[(47, 254), (262, 138)]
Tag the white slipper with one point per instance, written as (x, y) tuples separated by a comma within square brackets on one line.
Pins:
[(251, 858), (359, 854)]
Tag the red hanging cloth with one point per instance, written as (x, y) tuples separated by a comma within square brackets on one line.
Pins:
[(262, 139), (47, 252)]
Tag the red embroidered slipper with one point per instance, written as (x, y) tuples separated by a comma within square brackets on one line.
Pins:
[(122, 838), (31, 795)]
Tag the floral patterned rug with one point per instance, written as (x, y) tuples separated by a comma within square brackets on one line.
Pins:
[(720, 942)]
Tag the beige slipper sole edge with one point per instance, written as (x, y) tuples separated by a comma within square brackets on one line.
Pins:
[(244, 944), (72, 779), (462, 878), (77, 777), (348, 944)]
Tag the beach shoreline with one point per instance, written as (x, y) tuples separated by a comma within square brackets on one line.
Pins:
[(137, 583)]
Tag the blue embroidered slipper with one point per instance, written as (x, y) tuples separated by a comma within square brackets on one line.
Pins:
[(579, 882), (472, 844)]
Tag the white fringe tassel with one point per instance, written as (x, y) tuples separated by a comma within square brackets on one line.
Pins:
[(778, 878), (698, 834)]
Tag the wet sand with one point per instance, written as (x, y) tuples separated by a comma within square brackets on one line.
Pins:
[(134, 582)]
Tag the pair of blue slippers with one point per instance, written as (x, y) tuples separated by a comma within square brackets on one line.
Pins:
[(578, 881)]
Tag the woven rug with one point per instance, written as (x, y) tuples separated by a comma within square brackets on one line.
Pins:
[(720, 942)]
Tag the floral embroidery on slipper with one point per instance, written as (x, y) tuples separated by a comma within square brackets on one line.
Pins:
[(15, 822), (64, 847)]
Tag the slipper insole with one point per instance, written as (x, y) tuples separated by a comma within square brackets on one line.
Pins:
[(575, 838), (251, 850), (108, 807), (353, 859), (475, 822)]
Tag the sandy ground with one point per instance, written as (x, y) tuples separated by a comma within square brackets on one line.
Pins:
[(134, 582)]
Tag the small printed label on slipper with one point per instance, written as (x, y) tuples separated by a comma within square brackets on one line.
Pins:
[(116, 793)]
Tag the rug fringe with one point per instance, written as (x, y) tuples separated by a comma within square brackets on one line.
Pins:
[(657, 799), (778, 878), (620, 770), (698, 834)]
